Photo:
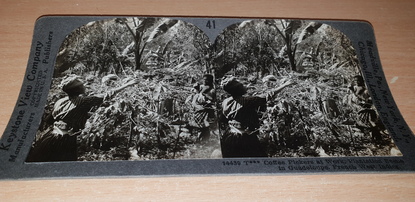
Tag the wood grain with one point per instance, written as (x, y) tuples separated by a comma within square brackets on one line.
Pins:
[(394, 25)]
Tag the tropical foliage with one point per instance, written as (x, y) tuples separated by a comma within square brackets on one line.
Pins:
[(327, 112)]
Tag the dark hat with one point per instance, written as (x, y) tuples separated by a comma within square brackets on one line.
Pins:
[(233, 86), (72, 86)]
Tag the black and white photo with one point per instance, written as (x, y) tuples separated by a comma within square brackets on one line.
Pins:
[(143, 96), (264, 88)]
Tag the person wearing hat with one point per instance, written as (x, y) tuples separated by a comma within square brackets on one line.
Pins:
[(68, 118), (242, 119)]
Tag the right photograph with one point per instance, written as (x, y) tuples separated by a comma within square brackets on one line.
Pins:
[(292, 88)]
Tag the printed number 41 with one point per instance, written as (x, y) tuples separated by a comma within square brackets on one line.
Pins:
[(211, 24)]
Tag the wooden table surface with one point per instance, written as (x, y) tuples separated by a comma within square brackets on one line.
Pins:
[(394, 24)]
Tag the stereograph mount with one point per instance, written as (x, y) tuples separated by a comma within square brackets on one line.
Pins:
[(336, 115)]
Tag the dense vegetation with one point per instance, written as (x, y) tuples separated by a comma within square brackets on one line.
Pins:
[(327, 112)]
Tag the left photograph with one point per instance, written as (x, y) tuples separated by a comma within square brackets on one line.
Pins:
[(130, 89)]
